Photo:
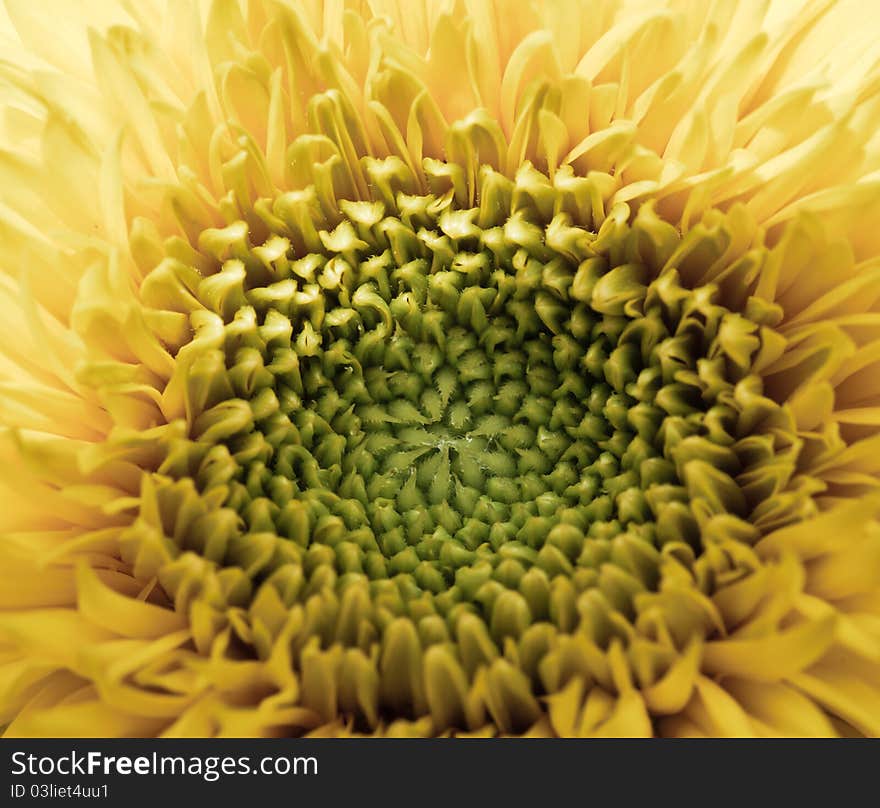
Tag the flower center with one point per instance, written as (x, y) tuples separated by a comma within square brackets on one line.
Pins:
[(450, 412)]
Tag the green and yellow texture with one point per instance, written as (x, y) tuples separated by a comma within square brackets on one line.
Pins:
[(440, 368)]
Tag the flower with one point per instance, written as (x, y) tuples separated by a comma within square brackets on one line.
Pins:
[(440, 368)]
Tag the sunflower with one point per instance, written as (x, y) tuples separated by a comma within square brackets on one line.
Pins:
[(467, 367)]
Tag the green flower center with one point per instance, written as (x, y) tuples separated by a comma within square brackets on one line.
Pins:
[(419, 413)]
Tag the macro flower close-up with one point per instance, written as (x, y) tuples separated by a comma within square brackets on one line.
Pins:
[(461, 368)]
